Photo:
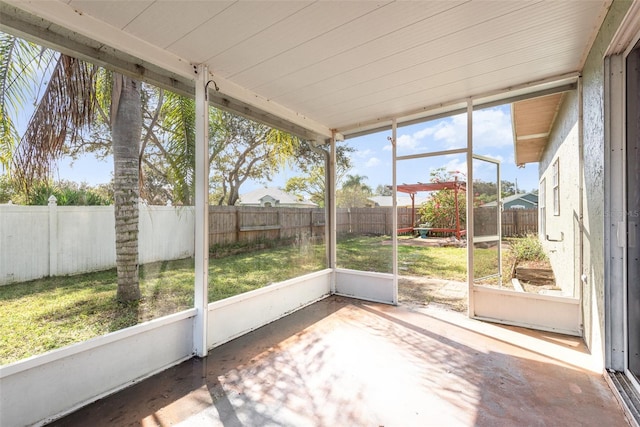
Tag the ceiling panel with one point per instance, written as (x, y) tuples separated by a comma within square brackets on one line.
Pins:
[(473, 60), (343, 64), (307, 24), (118, 14), (152, 25), (401, 22), (424, 61), (411, 98), (423, 38), (232, 26)]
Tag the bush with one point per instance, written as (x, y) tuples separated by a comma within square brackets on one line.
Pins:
[(440, 210), (8, 190), (528, 248), (67, 194)]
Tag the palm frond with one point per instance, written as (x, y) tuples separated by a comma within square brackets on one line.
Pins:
[(178, 113), (22, 67), (66, 108)]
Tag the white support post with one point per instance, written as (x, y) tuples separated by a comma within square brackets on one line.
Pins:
[(469, 195), (53, 235), (394, 220), (331, 187), (202, 214)]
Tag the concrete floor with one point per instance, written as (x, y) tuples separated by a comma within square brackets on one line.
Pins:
[(342, 362)]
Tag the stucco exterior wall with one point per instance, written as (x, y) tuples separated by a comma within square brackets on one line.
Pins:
[(594, 146), (561, 239)]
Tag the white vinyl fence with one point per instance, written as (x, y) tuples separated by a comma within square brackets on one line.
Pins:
[(39, 241)]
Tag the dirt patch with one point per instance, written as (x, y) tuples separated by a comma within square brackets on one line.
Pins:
[(423, 291), (536, 277), (435, 242)]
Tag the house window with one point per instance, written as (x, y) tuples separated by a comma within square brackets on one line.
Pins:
[(556, 187), (542, 205)]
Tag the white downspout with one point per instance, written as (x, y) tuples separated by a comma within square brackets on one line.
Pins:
[(583, 275)]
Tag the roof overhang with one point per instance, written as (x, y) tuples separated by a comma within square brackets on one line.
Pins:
[(327, 69), (532, 122)]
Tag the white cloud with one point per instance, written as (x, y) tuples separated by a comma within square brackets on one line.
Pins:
[(456, 165), (372, 162), (364, 154), (492, 128)]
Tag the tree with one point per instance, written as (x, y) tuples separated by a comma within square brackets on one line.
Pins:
[(69, 104), (383, 190), (507, 188), (354, 192), (126, 128), (241, 149), (439, 211), (21, 64), (166, 150), (312, 184), (488, 192)]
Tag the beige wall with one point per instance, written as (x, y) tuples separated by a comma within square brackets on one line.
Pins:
[(564, 145), (562, 235)]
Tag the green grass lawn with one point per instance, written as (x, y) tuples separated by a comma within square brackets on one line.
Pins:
[(49, 313)]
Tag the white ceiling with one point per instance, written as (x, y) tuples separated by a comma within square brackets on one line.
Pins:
[(344, 65)]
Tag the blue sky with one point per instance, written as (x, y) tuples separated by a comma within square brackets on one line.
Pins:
[(493, 137)]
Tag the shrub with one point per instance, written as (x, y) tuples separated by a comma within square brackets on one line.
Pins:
[(528, 248), (440, 210), (67, 194)]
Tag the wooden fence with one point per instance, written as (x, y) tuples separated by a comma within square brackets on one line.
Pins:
[(241, 224), (519, 222)]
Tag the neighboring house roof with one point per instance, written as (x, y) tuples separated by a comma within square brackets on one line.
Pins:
[(273, 196), (526, 200), (402, 200)]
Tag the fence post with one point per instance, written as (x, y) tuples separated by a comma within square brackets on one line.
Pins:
[(53, 235), (238, 217)]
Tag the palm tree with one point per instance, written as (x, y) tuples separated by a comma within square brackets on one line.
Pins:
[(70, 102), (354, 192), (78, 96), (356, 181), (126, 129)]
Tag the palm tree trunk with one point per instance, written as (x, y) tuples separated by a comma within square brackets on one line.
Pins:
[(126, 132)]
